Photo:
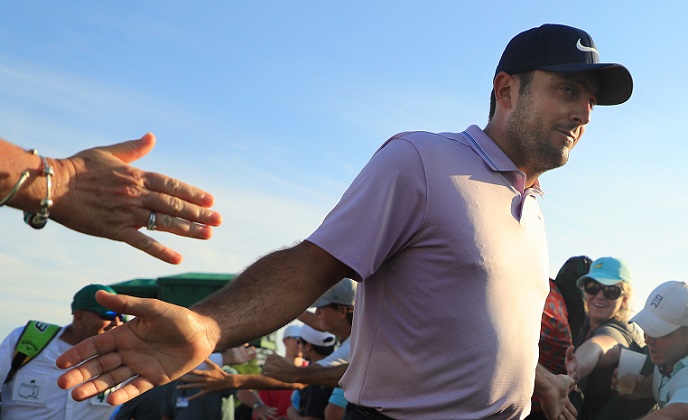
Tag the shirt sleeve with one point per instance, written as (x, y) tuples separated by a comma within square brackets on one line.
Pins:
[(380, 213)]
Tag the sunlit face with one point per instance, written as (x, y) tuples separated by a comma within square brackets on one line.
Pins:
[(549, 118), (667, 350), (601, 309), (330, 317), (291, 346)]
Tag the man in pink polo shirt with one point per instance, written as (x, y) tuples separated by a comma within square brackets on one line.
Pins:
[(444, 234)]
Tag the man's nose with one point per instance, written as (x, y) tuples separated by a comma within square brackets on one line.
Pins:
[(583, 112)]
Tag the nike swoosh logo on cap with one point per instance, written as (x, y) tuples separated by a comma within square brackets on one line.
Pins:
[(583, 48)]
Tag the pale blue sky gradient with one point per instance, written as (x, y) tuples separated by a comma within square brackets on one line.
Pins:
[(274, 106)]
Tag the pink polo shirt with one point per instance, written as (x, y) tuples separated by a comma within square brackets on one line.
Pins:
[(452, 258)]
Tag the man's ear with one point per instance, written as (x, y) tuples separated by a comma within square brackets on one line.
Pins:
[(78, 314), (504, 86)]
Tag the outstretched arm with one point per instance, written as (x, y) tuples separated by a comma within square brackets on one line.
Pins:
[(283, 369), (165, 341), (98, 192), (600, 350)]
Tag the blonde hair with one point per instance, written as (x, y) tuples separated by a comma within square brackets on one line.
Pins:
[(624, 313)]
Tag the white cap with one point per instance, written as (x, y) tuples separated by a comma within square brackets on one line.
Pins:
[(665, 311), (292, 331), (317, 338)]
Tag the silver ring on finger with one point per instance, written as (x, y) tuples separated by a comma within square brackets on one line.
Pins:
[(151, 221)]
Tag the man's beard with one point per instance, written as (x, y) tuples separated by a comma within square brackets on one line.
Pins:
[(530, 146)]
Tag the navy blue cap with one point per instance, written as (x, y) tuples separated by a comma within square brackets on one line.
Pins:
[(565, 49)]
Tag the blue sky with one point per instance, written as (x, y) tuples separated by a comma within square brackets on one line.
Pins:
[(274, 106)]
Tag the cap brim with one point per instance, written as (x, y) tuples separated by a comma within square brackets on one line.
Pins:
[(652, 325), (601, 280), (321, 302), (616, 81)]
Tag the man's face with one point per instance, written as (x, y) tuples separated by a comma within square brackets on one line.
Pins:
[(549, 118), (330, 316), (93, 324), (291, 345), (667, 350)]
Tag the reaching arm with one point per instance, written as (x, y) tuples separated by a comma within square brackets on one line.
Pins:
[(98, 192), (282, 369), (165, 341), (216, 379), (553, 392), (270, 293), (677, 411), (600, 350)]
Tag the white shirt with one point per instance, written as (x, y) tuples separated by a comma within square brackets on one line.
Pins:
[(33, 392), (338, 357), (671, 389)]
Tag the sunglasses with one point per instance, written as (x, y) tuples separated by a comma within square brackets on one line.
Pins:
[(108, 315), (592, 288)]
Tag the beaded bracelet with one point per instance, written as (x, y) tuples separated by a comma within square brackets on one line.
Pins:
[(23, 177), (39, 219)]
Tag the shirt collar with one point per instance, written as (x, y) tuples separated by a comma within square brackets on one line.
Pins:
[(496, 159)]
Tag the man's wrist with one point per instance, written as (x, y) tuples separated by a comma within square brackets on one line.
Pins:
[(258, 404)]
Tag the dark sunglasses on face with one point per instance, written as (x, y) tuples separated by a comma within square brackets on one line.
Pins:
[(109, 315), (592, 288)]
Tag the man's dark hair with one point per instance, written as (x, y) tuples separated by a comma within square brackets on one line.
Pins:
[(525, 78), (349, 311)]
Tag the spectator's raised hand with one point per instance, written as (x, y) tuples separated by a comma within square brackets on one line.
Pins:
[(572, 365), (98, 192), (556, 403), (207, 380), (238, 355), (280, 368)]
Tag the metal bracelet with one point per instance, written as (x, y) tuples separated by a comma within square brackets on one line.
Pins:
[(39, 219), (23, 177)]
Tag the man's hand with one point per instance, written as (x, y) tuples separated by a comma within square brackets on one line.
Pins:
[(572, 366), (555, 401), (553, 393), (238, 355), (207, 380), (280, 368), (162, 343)]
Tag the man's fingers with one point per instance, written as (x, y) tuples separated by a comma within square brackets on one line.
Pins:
[(570, 410), (196, 395), (101, 383), (132, 389), (99, 344), (190, 383)]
